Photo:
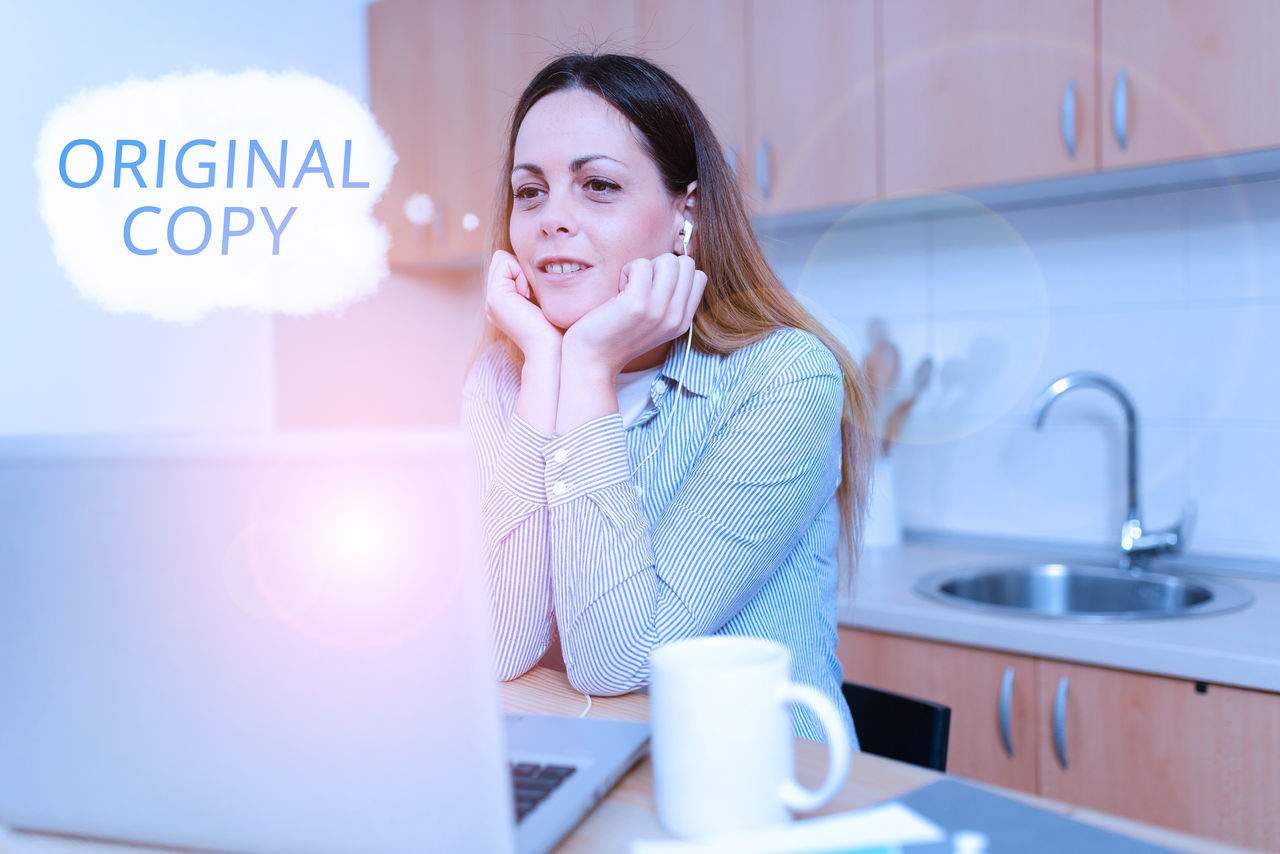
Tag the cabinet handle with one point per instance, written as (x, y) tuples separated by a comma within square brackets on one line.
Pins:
[(1060, 723), (1006, 709), (1069, 117), (731, 155), (1120, 109), (762, 168)]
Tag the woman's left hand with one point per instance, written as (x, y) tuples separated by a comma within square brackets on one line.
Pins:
[(656, 301)]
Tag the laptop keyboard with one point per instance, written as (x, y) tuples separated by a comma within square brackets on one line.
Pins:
[(534, 782)]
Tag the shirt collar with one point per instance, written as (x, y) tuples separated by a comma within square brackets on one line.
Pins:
[(700, 377)]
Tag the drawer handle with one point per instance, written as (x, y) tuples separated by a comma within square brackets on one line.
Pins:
[(1120, 110), (1060, 723), (1006, 710), (1069, 117)]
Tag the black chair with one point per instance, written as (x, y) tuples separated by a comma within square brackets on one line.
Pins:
[(899, 727)]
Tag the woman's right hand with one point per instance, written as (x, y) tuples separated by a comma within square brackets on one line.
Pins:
[(509, 306)]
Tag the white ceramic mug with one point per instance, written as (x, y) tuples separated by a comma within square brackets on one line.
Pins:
[(723, 746)]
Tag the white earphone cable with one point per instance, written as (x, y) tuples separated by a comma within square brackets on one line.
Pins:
[(688, 234), (684, 367)]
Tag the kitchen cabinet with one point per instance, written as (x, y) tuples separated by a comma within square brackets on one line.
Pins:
[(1198, 78), (1186, 755), (829, 103), (971, 682), (980, 92), (1201, 759), (414, 48), (813, 140)]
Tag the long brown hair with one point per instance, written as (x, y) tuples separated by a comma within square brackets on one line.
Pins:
[(744, 301)]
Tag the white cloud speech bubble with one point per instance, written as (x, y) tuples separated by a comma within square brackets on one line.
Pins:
[(329, 253)]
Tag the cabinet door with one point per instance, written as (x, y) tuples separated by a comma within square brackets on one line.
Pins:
[(812, 80), (970, 682), (1158, 750), (975, 92), (427, 108), (1203, 78), (704, 46)]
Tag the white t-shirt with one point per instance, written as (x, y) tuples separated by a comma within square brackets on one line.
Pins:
[(633, 393)]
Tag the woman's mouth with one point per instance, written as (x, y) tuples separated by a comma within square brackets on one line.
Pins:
[(562, 272)]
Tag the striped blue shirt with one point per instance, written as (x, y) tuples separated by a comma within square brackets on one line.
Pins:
[(730, 527)]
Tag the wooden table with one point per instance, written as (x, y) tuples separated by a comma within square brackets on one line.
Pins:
[(628, 812)]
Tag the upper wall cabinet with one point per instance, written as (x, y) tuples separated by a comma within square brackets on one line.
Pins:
[(443, 80), (1183, 79), (813, 95), (826, 103), (420, 95), (981, 92)]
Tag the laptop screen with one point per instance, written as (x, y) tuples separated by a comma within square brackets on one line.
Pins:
[(250, 643)]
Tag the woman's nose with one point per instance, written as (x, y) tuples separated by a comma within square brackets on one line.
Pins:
[(556, 215)]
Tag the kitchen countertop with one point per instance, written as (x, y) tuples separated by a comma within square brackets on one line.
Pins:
[(1240, 648)]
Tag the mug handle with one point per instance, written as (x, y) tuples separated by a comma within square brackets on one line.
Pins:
[(794, 795)]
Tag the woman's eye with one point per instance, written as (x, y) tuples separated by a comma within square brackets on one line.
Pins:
[(594, 185)]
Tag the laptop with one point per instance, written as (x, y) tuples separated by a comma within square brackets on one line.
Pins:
[(268, 643)]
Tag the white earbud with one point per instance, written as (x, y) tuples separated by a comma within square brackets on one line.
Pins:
[(688, 233)]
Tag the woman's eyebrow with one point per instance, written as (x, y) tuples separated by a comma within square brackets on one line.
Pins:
[(573, 167)]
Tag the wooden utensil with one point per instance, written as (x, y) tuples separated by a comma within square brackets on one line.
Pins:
[(881, 362), (924, 370)]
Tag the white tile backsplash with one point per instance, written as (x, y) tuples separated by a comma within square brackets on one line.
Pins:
[(986, 368), (983, 265), (1233, 476), (1064, 484), (1228, 231), (1115, 253), (1174, 295), (1138, 348), (891, 278), (1232, 356)]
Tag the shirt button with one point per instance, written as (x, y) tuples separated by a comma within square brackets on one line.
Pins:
[(560, 455), (558, 487)]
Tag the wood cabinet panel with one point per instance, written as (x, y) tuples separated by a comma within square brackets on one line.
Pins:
[(813, 96), (973, 91), (969, 681), (1156, 749), (1203, 78), (426, 107)]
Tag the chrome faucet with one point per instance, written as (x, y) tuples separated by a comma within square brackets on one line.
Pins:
[(1135, 545)]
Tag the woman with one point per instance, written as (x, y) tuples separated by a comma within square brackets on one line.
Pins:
[(642, 485)]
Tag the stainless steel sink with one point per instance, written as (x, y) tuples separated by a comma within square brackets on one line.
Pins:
[(1081, 592)]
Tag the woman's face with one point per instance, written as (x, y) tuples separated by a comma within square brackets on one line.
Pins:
[(585, 190)]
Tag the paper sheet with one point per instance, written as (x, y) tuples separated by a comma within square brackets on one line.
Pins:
[(884, 826)]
